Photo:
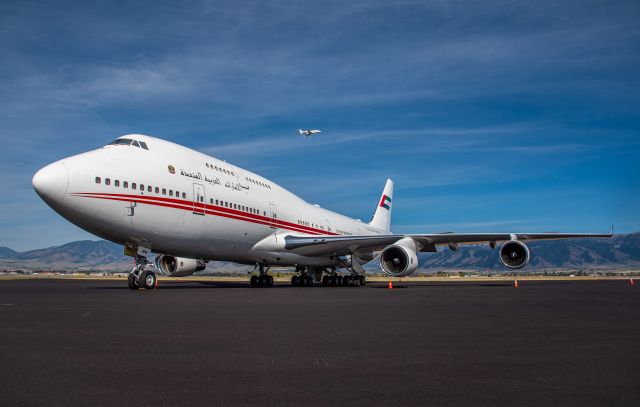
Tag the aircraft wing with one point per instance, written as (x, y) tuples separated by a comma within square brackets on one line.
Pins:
[(341, 245)]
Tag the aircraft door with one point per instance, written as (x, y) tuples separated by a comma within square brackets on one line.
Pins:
[(273, 215), (198, 199)]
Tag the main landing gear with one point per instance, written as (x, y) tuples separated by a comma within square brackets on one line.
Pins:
[(305, 279), (141, 278), (308, 275), (335, 280), (261, 280)]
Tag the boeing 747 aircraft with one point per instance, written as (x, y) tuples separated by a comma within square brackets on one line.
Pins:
[(151, 195)]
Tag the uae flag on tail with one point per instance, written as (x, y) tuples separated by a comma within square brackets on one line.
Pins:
[(385, 202)]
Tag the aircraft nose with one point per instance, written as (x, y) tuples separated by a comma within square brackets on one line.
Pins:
[(51, 182)]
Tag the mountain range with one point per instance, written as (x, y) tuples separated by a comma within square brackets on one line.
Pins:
[(620, 252)]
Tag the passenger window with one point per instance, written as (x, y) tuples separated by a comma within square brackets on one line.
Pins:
[(133, 185), (201, 199), (157, 190), (144, 145), (164, 191), (177, 194), (211, 201), (107, 181), (216, 201), (170, 192), (116, 183), (142, 187), (234, 206), (98, 180), (184, 195), (125, 184), (149, 188)]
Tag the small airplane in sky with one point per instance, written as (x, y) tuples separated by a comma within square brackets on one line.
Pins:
[(307, 133)]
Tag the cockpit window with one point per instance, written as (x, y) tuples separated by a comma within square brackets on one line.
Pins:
[(121, 141), (129, 142)]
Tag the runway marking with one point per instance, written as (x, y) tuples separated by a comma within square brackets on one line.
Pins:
[(6, 305), (86, 314)]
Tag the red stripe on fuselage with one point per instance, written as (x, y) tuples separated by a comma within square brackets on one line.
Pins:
[(206, 208)]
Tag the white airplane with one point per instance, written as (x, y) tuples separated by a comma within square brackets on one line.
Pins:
[(307, 133), (149, 194)]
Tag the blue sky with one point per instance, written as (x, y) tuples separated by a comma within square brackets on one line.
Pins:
[(505, 116)]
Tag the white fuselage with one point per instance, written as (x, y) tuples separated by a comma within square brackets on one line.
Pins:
[(174, 200)]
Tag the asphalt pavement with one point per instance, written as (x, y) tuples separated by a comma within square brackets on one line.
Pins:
[(93, 342)]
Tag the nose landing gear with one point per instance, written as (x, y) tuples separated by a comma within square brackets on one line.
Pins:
[(141, 278)]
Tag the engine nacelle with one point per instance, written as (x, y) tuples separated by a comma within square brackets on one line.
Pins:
[(178, 266), (514, 254), (400, 259)]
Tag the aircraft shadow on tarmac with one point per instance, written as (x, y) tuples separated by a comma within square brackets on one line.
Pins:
[(224, 284), (379, 285), (208, 284)]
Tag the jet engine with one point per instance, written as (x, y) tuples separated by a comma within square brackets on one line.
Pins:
[(178, 266), (399, 259), (514, 254)]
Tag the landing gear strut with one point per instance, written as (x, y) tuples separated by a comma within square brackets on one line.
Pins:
[(261, 280), (141, 278)]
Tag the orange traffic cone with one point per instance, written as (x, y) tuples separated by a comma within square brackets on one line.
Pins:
[(390, 286), (515, 283), (631, 282)]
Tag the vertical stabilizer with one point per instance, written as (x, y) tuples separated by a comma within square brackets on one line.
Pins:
[(382, 216)]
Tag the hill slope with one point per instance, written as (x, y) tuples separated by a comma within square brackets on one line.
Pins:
[(623, 251)]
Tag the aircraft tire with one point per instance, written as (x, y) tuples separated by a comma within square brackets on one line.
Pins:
[(147, 280), (253, 281), (308, 281), (325, 281), (269, 281), (131, 280), (362, 280), (294, 281)]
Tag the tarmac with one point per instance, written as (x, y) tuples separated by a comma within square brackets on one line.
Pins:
[(96, 342)]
